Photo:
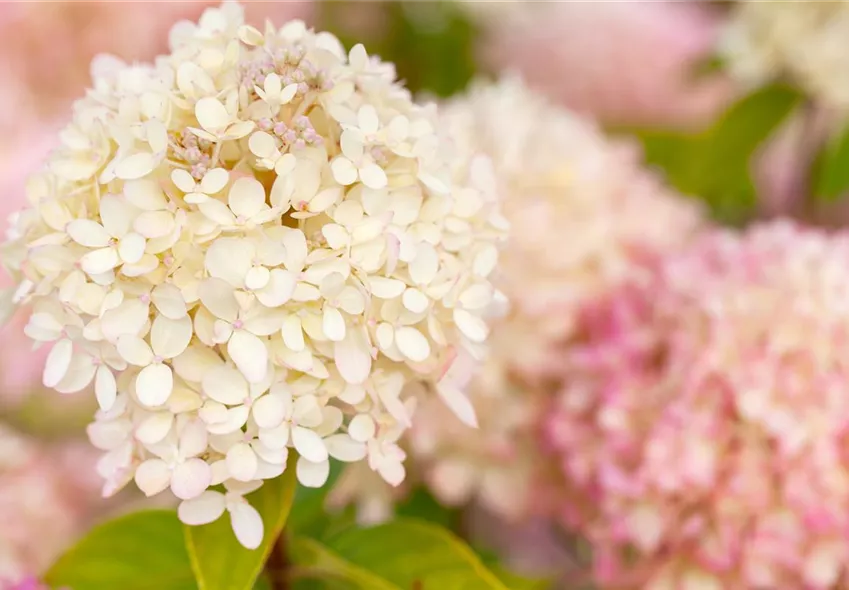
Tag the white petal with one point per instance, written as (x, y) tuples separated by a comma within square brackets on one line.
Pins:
[(344, 171), (336, 235), (458, 403), (154, 385), (153, 476), (191, 478), (367, 119), (309, 444), (353, 358), (146, 194), (169, 338), (117, 215), (325, 199), (154, 224), (292, 332), (362, 427), (412, 344), (58, 362), (100, 261), (296, 250), (230, 259), (154, 428), (135, 166), (206, 508), (184, 181), (88, 233), (226, 385), (217, 296), (241, 462), (134, 350), (131, 248), (247, 525), (384, 288), (288, 93), (262, 145), (333, 324), (373, 176), (214, 181), (211, 114), (280, 288), (247, 197), (105, 388), (312, 475), (169, 301), (257, 278), (250, 355), (127, 318), (345, 448), (352, 146), (217, 212), (424, 266), (472, 326), (269, 411), (277, 437), (415, 300)]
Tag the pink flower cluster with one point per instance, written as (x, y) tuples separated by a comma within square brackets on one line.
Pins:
[(623, 62), (703, 422), (47, 496)]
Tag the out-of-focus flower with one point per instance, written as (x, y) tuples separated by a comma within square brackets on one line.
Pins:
[(252, 245), (701, 426), (44, 503), (621, 62), (582, 213), (804, 42)]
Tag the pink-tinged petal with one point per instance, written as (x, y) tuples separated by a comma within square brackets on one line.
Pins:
[(191, 478), (205, 508)]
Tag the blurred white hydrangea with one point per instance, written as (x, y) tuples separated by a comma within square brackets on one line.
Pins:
[(582, 212), (802, 41), (252, 245)]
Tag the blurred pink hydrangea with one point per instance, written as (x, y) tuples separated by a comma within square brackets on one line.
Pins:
[(582, 212), (622, 62), (704, 413), (47, 496)]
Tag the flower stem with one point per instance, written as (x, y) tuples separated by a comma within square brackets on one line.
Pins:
[(277, 566)]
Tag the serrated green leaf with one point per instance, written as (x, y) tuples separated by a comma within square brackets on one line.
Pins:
[(402, 554), (831, 168), (217, 558), (139, 551)]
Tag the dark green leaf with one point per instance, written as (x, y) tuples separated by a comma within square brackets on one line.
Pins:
[(422, 505), (140, 551), (310, 516), (714, 165), (831, 168), (217, 558)]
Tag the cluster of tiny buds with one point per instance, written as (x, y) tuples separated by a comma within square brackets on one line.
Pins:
[(292, 68), (300, 134), (195, 151)]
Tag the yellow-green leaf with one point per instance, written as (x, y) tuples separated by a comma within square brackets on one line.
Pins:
[(139, 551), (217, 558), (402, 554)]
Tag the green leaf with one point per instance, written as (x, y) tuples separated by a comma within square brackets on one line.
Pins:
[(217, 558), (422, 505), (715, 164), (517, 582), (831, 168), (309, 515), (400, 555), (139, 551)]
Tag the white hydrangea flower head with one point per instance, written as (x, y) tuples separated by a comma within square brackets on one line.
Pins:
[(252, 245), (802, 41)]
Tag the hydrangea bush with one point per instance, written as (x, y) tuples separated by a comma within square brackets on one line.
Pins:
[(251, 245)]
